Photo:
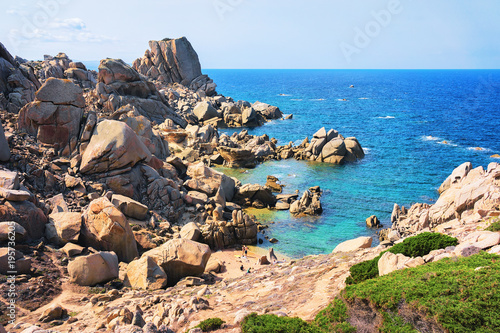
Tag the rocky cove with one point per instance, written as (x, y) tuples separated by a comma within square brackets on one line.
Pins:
[(113, 169)]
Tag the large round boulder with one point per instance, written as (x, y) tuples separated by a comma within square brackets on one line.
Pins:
[(93, 269), (114, 145), (106, 228), (180, 258)]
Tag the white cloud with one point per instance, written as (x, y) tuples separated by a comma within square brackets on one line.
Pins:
[(58, 30), (72, 24)]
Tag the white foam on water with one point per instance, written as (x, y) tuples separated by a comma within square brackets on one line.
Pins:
[(386, 117)]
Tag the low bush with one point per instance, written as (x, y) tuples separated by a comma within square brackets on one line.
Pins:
[(270, 323), (210, 324), (461, 295), (495, 226), (416, 246)]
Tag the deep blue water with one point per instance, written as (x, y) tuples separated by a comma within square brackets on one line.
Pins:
[(416, 126)]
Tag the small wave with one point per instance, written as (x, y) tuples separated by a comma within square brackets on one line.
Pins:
[(296, 99), (318, 99), (448, 143), (367, 150), (479, 149), (430, 138), (284, 95), (386, 117)]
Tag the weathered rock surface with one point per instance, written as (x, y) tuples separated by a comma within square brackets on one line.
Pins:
[(237, 157), (144, 273), (467, 194), (354, 244), (106, 228), (120, 85), (55, 115), (180, 258), (93, 269), (130, 207), (17, 82), (174, 60), (29, 216), (208, 181), (114, 145), (64, 227), (221, 234), (308, 204)]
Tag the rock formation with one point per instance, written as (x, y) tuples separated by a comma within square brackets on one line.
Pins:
[(174, 60), (466, 195), (308, 204), (18, 82), (55, 115)]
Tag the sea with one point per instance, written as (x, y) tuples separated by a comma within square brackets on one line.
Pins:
[(415, 127)]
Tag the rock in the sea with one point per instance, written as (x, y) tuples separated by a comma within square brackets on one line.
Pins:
[(308, 204), (114, 145), (145, 274), (93, 269), (180, 258), (268, 111), (354, 244), (106, 228), (373, 222)]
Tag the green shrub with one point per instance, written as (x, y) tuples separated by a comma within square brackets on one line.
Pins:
[(495, 226), (270, 323), (422, 244), (453, 292), (210, 324), (333, 318), (415, 246)]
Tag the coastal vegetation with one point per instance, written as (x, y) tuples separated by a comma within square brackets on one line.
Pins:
[(455, 295), (415, 246)]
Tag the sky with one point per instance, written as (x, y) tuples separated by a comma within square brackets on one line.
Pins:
[(323, 34)]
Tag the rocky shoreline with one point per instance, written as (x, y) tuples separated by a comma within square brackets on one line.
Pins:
[(112, 169)]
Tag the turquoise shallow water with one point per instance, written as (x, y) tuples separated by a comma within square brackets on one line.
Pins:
[(416, 126)]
